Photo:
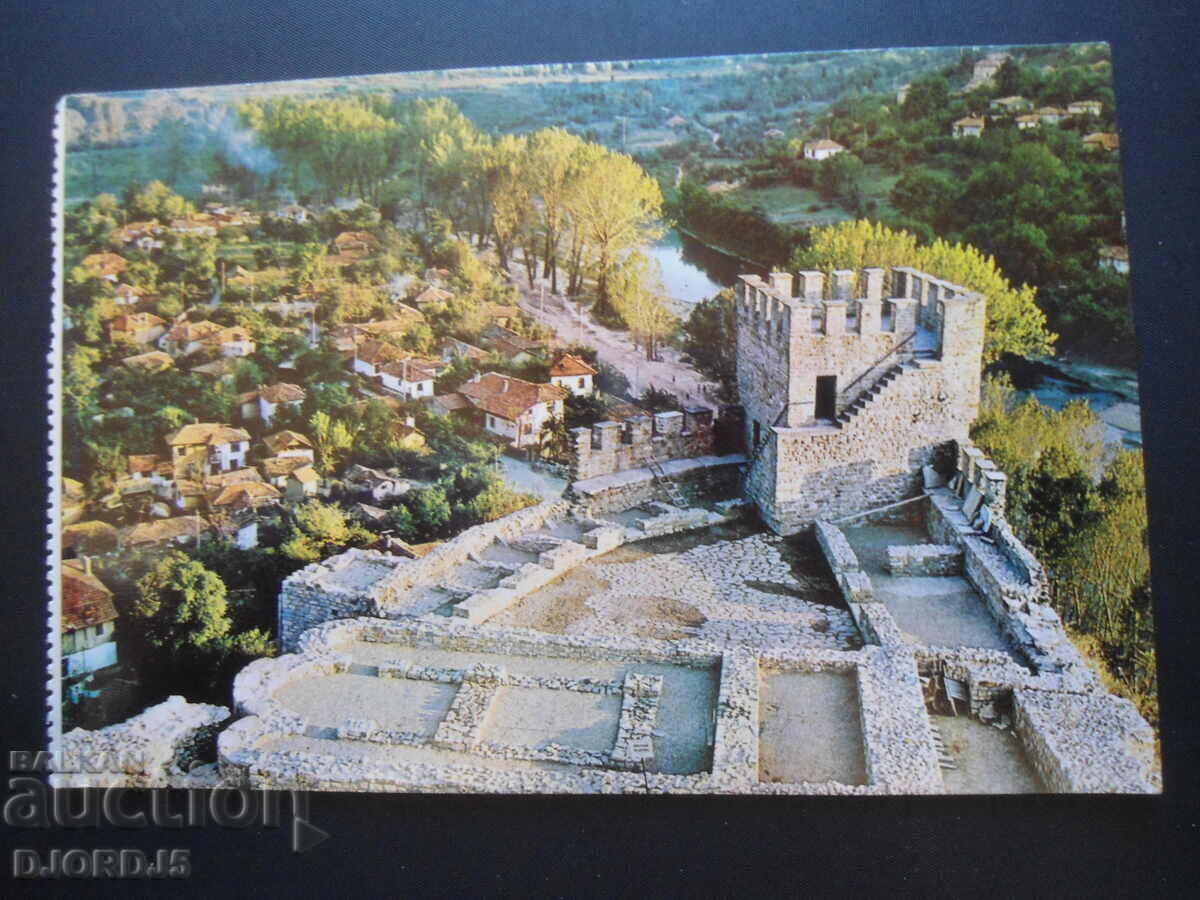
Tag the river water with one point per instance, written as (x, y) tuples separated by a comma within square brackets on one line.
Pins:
[(692, 272)]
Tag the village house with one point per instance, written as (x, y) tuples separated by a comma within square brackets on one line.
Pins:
[(354, 244), (371, 355), (144, 235), (244, 495), (188, 337), (88, 624), (1031, 120), (301, 484), (289, 445), (1115, 257), (408, 378), (1009, 105), (431, 294), (1084, 108), (408, 436), (233, 342), (379, 486), (175, 531), (513, 408), (985, 71), (149, 363), (501, 314), (902, 94), (276, 469), (968, 126), (128, 295), (222, 369), (199, 225), (511, 346), (139, 328), (573, 374), (822, 149), (1102, 140), (452, 348), (1051, 115), (273, 396), (106, 266), (207, 448), (292, 212), (88, 538)]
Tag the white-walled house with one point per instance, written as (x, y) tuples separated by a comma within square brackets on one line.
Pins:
[(371, 355), (513, 408), (205, 449), (822, 149), (408, 378), (969, 126), (273, 396), (88, 623), (573, 374)]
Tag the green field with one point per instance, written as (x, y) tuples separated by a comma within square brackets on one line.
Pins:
[(791, 205)]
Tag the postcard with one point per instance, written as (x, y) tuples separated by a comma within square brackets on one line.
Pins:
[(735, 425)]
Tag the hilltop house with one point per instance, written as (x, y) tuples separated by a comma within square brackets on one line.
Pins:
[(289, 445), (188, 337), (177, 531), (573, 374), (985, 71), (88, 624), (1102, 140), (1031, 120), (154, 361), (1006, 105), (1051, 115), (407, 377), (510, 345), (380, 486), (452, 348), (969, 126), (207, 448), (128, 295), (301, 483), (1115, 257), (272, 396), (106, 266), (140, 328), (822, 149), (354, 244), (513, 408), (1084, 108)]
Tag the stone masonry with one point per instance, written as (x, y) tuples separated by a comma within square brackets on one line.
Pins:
[(847, 395), (609, 447)]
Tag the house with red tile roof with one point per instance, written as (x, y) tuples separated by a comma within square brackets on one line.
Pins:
[(573, 374), (273, 396), (88, 621), (512, 408), (207, 448), (140, 328)]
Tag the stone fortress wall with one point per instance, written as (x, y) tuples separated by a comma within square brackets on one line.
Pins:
[(609, 447), (1078, 738), (903, 381)]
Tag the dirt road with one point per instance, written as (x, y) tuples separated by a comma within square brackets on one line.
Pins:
[(614, 348)]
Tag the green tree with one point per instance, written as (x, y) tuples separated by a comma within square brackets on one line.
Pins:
[(1015, 324), (320, 530), (181, 605), (332, 439)]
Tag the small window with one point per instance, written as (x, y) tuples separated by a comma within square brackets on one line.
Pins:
[(100, 629), (581, 382)]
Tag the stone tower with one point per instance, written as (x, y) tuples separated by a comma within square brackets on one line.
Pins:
[(850, 387)]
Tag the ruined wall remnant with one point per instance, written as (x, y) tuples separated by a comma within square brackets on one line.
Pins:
[(848, 393), (609, 447)]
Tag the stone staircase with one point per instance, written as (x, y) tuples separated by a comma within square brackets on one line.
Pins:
[(663, 480), (867, 397)]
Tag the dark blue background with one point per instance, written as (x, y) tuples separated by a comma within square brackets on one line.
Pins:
[(465, 846)]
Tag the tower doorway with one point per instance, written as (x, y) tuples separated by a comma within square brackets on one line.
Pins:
[(826, 407)]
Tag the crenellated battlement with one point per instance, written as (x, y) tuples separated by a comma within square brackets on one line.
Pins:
[(609, 447), (850, 380)]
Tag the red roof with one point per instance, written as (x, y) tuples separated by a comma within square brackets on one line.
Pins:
[(143, 465), (282, 393), (508, 397), (85, 599), (567, 365)]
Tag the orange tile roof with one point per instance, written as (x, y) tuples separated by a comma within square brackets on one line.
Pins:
[(206, 433), (567, 365), (85, 599), (278, 466), (166, 530), (135, 321), (101, 264), (823, 144), (286, 440), (377, 352), (246, 493), (154, 361), (410, 370), (283, 392), (185, 332), (508, 397)]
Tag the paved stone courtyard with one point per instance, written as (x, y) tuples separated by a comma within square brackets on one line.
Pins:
[(737, 592)]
